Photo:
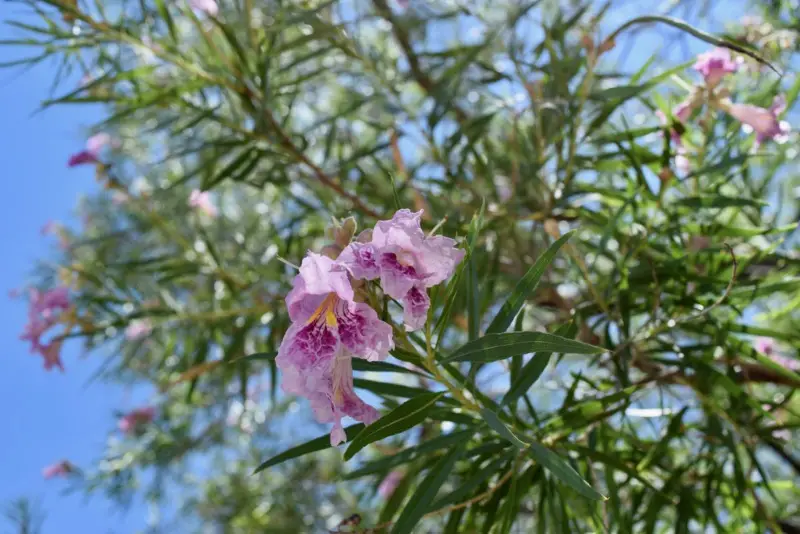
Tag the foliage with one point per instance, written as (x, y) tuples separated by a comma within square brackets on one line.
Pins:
[(588, 368)]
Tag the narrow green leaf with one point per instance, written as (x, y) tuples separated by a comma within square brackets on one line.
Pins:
[(688, 28), (525, 287), (317, 444), (405, 416), (720, 201), (391, 389), (257, 356), (381, 367), (498, 426), (528, 376), (421, 500), (493, 347), (560, 469), (532, 370), (164, 12)]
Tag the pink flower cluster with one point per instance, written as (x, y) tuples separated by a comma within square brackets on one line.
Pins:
[(136, 419), (765, 122), (330, 326), (43, 313)]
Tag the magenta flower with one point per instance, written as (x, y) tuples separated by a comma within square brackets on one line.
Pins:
[(136, 419), (60, 469), (406, 261), (715, 64), (201, 200), (209, 7), (328, 329), (389, 484), (138, 328), (763, 121), (81, 158)]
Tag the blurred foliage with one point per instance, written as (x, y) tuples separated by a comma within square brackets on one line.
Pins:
[(510, 123)]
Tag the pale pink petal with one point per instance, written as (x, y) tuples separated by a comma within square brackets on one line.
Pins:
[(715, 64)]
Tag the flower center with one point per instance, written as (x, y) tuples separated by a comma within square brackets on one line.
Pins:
[(404, 258), (326, 309)]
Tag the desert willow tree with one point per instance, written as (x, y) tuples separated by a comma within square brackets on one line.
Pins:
[(567, 292)]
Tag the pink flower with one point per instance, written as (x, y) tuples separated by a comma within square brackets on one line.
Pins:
[(209, 7), (764, 345), (202, 200), (136, 419), (52, 355), (43, 313), (96, 142), (714, 65), (389, 484), (763, 121), (81, 158), (138, 328), (94, 145), (60, 469), (406, 261), (683, 110), (788, 363), (328, 329)]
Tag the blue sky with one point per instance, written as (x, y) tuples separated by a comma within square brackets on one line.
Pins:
[(49, 415)]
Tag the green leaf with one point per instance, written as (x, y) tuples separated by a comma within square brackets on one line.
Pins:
[(532, 370), (164, 12), (528, 376), (421, 500), (405, 416), (719, 201), (775, 367), (381, 367), (688, 28), (493, 347), (497, 425), (525, 287), (391, 389), (256, 356), (560, 469), (317, 444)]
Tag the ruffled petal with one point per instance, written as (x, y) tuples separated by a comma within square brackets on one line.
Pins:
[(363, 333), (415, 308)]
